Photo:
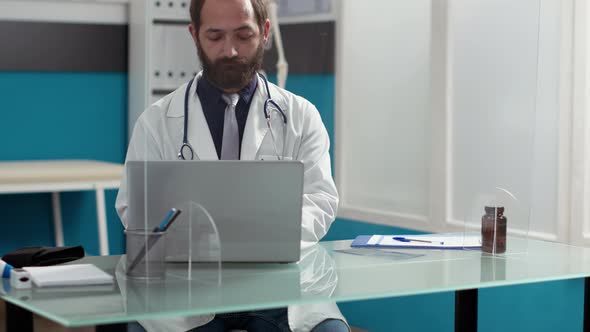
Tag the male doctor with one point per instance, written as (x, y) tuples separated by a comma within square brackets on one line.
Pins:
[(227, 121)]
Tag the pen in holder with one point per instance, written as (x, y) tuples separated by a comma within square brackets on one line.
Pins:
[(146, 253), (146, 250)]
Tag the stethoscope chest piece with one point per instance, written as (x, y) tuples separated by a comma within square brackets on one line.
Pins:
[(186, 152)]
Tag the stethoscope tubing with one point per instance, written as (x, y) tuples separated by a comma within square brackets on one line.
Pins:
[(182, 155)]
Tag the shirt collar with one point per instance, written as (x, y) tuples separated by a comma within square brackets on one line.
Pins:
[(246, 93)]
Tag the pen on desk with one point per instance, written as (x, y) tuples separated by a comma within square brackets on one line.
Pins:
[(405, 239), (164, 225)]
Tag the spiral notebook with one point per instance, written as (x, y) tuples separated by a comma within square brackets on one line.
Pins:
[(424, 241)]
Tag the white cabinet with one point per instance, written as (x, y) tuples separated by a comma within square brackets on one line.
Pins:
[(162, 55)]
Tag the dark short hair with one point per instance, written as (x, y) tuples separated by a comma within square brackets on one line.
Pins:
[(259, 6)]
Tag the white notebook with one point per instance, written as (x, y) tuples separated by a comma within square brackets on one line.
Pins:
[(68, 275)]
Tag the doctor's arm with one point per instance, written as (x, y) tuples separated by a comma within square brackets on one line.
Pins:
[(142, 146), (320, 197)]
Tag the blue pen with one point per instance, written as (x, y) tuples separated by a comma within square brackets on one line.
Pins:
[(404, 239), (168, 220), (164, 225)]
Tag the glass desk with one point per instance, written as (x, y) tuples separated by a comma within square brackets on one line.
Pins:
[(330, 271)]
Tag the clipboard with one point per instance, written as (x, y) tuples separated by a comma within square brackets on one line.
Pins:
[(423, 241)]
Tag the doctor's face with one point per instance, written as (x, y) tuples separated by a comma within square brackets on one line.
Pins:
[(230, 43)]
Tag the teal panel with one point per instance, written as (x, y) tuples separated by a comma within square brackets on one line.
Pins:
[(547, 306), (319, 90), (61, 116), (345, 229), (427, 313), (26, 221)]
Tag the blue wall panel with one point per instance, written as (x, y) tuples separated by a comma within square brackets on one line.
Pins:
[(344, 229), (319, 90), (433, 312), (540, 307), (61, 116)]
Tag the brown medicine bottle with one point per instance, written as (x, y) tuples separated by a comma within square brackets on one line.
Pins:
[(493, 230)]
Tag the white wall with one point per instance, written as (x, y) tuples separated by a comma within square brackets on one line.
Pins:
[(383, 106), (544, 216), (498, 121)]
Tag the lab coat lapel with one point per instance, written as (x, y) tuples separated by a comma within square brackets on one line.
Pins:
[(256, 127), (199, 135)]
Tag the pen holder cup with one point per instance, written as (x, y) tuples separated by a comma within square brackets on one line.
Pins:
[(146, 254)]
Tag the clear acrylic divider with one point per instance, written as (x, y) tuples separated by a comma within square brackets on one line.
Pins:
[(197, 244), (491, 94), (165, 256), (499, 220), (180, 233)]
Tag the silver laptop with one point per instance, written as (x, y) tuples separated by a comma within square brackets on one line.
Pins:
[(256, 206)]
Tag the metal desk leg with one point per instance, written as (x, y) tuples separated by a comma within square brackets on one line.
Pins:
[(112, 328), (18, 319), (42, 324), (57, 224), (466, 310), (587, 304), (102, 222)]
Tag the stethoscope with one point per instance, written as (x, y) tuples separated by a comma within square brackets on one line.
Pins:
[(186, 150)]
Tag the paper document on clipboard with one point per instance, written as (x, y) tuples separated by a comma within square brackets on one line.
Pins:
[(424, 241)]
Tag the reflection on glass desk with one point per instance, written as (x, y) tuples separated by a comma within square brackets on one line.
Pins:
[(329, 271)]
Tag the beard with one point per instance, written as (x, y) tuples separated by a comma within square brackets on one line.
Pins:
[(231, 74)]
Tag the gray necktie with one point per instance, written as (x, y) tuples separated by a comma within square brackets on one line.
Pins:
[(230, 146)]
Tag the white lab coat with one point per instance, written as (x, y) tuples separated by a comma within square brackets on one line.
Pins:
[(158, 136)]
